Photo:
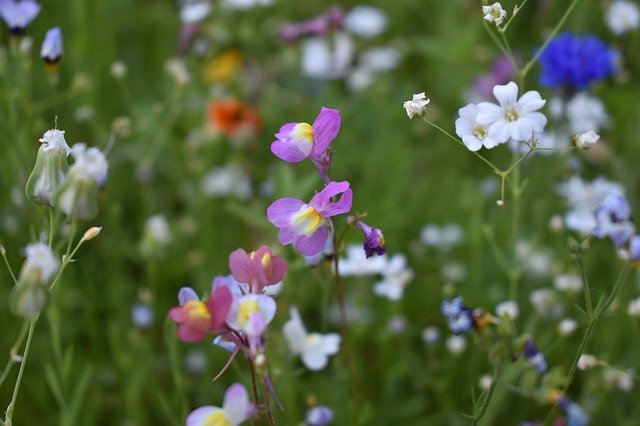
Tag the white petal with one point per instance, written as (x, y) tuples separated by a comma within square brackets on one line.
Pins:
[(471, 142), (530, 101), (199, 416), (315, 360), (506, 95), (488, 113)]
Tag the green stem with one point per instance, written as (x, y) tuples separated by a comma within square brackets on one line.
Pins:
[(51, 227), (6, 261), (14, 351), (586, 287), (16, 389), (487, 399), (516, 10)]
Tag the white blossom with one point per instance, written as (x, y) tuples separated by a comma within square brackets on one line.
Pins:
[(456, 344), (395, 277), (508, 308), (634, 308), (586, 140), (365, 21), (326, 59), (90, 163), (225, 181), (571, 283), (473, 134), (313, 348), (417, 105), (586, 112), (53, 140), (567, 326), (587, 361), (494, 13), (622, 16), (41, 261)]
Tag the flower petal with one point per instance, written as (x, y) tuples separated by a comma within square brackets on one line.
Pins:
[(237, 406), (325, 129), (198, 417), (287, 151), (314, 243), (280, 211), (506, 95)]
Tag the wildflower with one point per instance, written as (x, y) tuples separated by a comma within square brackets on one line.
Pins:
[(373, 239), (494, 14), (314, 348), (485, 382), (297, 141), (474, 135), (357, 264), (508, 308), (195, 361), (258, 268), (534, 357), (177, 69), (31, 294), (77, 196), (197, 319), (443, 237), (459, 317), (251, 314), (304, 224), (18, 14), (453, 272), (223, 67), (417, 105), (119, 70), (575, 62), (575, 415), (543, 301), (587, 361), (365, 21), (51, 165), (456, 344), (613, 220), (571, 283), (567, 327), (327, 59), (235, 409), (622, 16), (319, 416), (634, 308), (52, 46), (232, 118), (586, 112), (395, 277), (514, 118), (228, 180), (245, 4), (431, 335), (585, 140), (142, 316), (157, 235)]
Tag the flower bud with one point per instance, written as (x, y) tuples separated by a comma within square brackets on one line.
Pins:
[(91, 233), (31, 294), (585, 140), (49, 170)]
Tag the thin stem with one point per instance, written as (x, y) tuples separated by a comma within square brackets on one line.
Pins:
[(6, 261), (554, 32), (586, 287), (265, 392), (353, 379), (14, 351), (583, 345), (16, 389), (487, 399), (496, 40), (254, 386), (51, 222), (516, 10), (616, 288)]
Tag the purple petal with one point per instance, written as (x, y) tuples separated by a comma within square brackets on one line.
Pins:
[(343, 205), (287, 151), (280, 211), (236, 404), (314, 243), (285, 130), (241, 266), (219, 305), (322, 198), (287, 235), (185, 294), (199, 415), (325, 130)]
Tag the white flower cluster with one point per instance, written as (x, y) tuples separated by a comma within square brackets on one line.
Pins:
[(313, 348), (40, 259), (494, 14), (416, 106), (443, 237), (90, 164)]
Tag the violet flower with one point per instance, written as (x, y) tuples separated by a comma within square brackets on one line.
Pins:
[(613, 220), (18, 14), (304, 224), (534, 357), (373, 239), (51, 50)]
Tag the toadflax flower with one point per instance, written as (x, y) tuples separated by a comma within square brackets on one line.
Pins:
[(258, 268), (613, 220), (373, 239), (51, 50), (18, 14), (251, 314), (235, 409), (474, 135), (314, 348), (514, 118), (51, 165), (417, 105), (494, 14), (534, 357), (459, 317), (197, 319), (304, 224)]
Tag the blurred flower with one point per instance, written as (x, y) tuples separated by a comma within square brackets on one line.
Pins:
[(229, 180), (587, 361), (502, 72), (634, 308), (305, 225), (245, 4), (194, 11), (586, 140), (31, 294), (417, 105), (397, 324), (473, 134), (356, 263), (534, 357), (567, 327), (195, 361), (142, 316), (613, 220), (453, 271), (318, 25), (443, 237), (18, 14), (456, 344), (52, 46), (251, 314), (622, 16), (223, 67), (514, 118), (177, 69), (508, 308), (543, 301), (233, 118), (156, 235), (259, 268), (365, 21), (196, 319), (319, 416), (485, 382), (575, 61), (327, 59), (571, 283), (313, 348), (431, 335), (50, 168), (373, 239), (236, 408), (494, 14), (575, 415), (119, 70), (395, 277), (586, 112), (459, 317)]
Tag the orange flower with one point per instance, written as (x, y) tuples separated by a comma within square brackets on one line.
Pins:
[(233, 118)]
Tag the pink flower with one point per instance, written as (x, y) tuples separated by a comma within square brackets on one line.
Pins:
[(305, 224), (197, 319), (258, 268)]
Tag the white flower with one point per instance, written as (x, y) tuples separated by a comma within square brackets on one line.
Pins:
[(245, 4), (453, 272), (586, 112), (444, 237), (395, 277), (514, 118), (357, 264), (586, 140), (157, 228), (622, 16), (119, 69), (90, 163), (625, 380), (416, 106), (485, 382), (380, 58), (587, 361), (194, 11), (473, 134), (324, 60), (41, 261), (228, 180), (456, 344), (508, 308), (634, 308), (53, 140), (571, 283), (314, 348), (494, 13), (365, 21), (543, 301), (431, 335), (567, 326)]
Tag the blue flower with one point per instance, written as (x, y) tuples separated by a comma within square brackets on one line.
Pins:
[(575, 415), (534, 357), (459, 317), (613, 220), (576, 61)]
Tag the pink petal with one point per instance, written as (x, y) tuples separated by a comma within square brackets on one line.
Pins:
[(241, 266), (219, 305), (325, 129), (190, 335), (285, 131), (277, 271)]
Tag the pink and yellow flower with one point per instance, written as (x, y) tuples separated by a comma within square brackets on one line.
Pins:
[(197, 319), (259, 268)]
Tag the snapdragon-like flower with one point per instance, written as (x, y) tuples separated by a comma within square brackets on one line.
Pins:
[(52, 46), (304, 224), (373, 239), (18, 14), (197, 319), (251, 314), (313, 348), (235, 409), (396, 275), (514, 118), (473, 134), (494, 14), (576, 61), (622, 16), (416, 106), (259, 268), (534, 357), (297, 141), (613, 220), (575, 415)]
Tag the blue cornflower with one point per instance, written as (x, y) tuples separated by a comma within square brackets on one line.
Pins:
[(534, 357), (576, 61), (613, 220), (459, 317)]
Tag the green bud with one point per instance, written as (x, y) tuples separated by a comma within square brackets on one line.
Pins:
[(50, 168), (29, 299)]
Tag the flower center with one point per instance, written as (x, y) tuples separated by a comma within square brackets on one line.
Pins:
[(302, 137), (245, 310), (306, 220), (217, 418), (480, 131), (197, 314), (512, 114)]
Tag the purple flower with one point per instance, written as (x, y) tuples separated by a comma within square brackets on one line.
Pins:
[(501, 72), (373, 239), (634, 248), (297, 141), (52, 46), (575, 415), (459, 317), (305, 224), (534, 357), (18, 14), (235, 409), (613, 220), (319, 416)]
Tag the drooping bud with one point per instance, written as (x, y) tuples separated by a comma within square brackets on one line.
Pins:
[(50, 168), (31, 294)]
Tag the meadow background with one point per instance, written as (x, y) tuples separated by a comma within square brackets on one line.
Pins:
[(91, 364)]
